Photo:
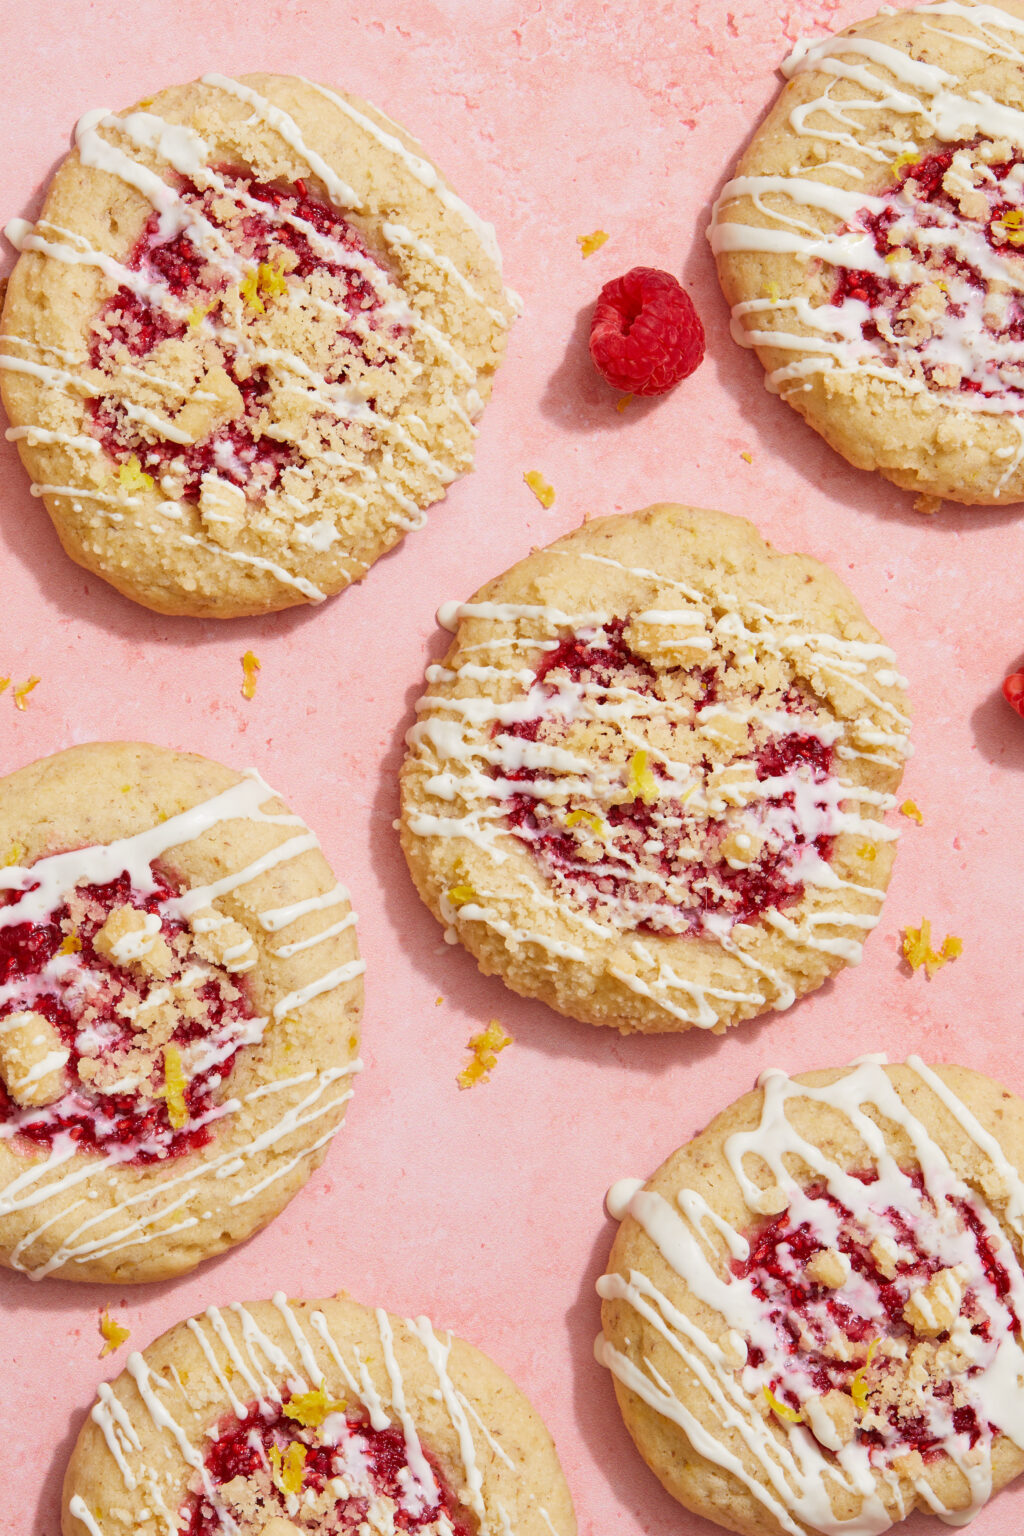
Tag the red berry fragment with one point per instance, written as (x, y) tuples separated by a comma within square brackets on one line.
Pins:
[(1013, 691), (645, 335)]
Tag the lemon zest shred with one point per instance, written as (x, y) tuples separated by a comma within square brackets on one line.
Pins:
[(249, 288), (460, 895), (772, 292), (21, 693), (5, 682), (783, 1410), (588, 244), (917, 949), (113, 1333), (132, 477), (859, 1384), (287, 1471), (197, 314), (867, 851), (544, 492), (175, 1083), (311, 1408), (907, 158), (912, 812), (14, 855), (640, 781), (748, 456), (485, 1048), (622, 404), (588, 818), (270, 279), (70, 944), (251, 664)]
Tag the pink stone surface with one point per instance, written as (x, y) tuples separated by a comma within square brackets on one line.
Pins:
[(484, 1209)]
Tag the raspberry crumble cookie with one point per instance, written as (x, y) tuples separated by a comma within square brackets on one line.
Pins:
[(180, 997), (812, 1311), (648, 780), (246, 343), (293, 1418), (872, 246)]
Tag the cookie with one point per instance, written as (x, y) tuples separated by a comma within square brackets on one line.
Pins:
[(871, 245), (180, 997), (246, 343), (648, 780), (282, 1416), (812, 1311)]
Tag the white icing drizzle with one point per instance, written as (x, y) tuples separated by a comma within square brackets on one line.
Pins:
[(959, 344), (323, 1359), (788, 1469), (179, 1187), (188, 155), (471, 766)]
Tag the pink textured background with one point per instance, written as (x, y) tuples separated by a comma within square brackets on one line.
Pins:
[(484, 1209)]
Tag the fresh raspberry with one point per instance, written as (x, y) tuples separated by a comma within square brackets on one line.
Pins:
[(645, 335), (1013, 691)]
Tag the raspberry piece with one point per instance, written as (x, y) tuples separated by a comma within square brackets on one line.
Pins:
[(645, 335), (1013, 691)]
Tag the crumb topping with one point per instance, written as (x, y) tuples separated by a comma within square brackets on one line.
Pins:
[(880, 1325), (198, 384), (306, 1465), (119, 1025), (731, 800)]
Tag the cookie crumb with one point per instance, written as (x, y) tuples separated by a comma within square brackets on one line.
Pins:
[(588, 244), (113, 1333), (912, 812), (485, 1048), (251, 664), (22, 692), (541, 489), (928, 505), (829, 1268)]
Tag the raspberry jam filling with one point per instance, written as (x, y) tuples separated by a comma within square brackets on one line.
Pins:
[(722, 816), (346, 1478), (242, 254), (106, 1054), (876, 1335), (947, 311)]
